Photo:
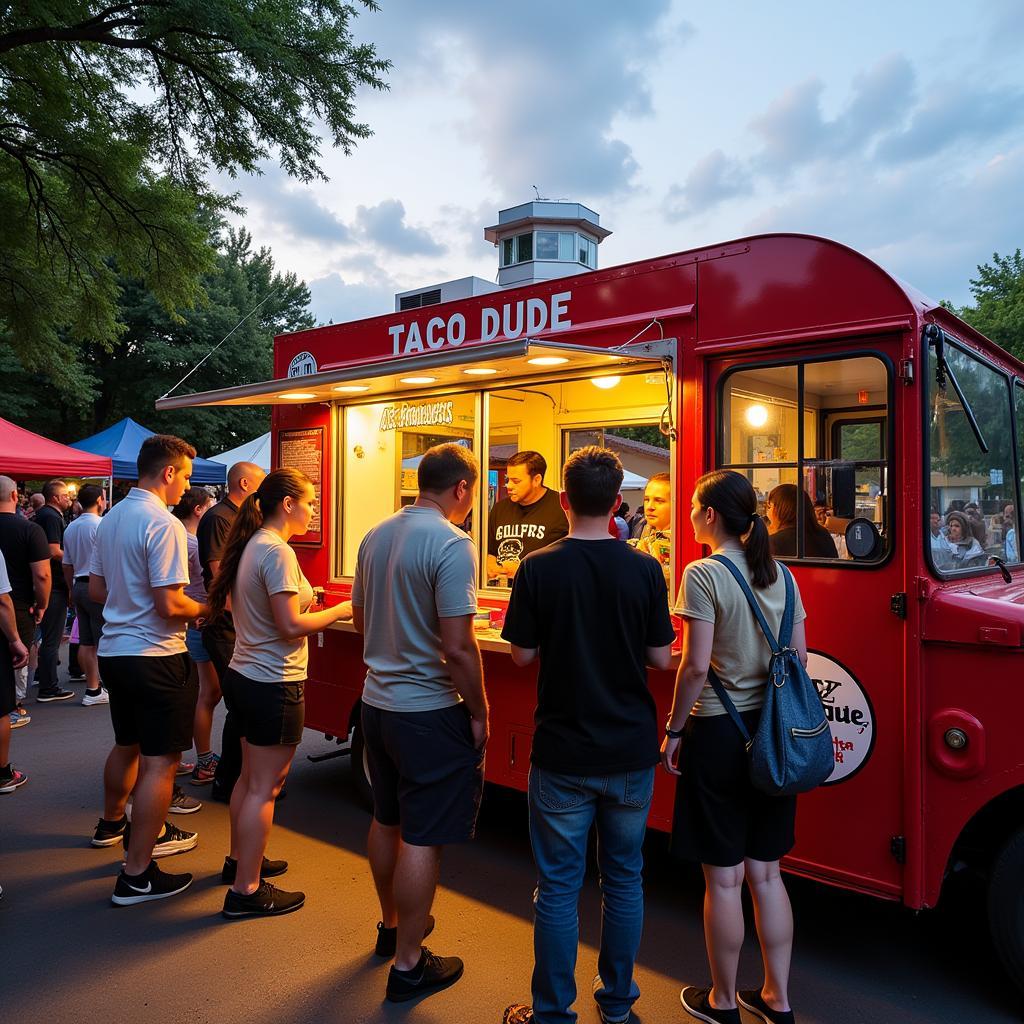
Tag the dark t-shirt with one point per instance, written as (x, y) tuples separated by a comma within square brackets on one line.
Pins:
[(52, 524), (22, 543), (212, 534), (818, 543), (516, 530), (592, 607)]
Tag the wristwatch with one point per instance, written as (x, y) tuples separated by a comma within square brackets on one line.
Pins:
[(673, 734)]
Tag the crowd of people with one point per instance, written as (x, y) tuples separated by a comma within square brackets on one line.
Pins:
[(963, 539), (181, 601)]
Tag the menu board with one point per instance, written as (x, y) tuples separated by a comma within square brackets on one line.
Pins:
[(304, 450)]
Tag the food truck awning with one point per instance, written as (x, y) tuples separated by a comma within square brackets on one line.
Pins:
[(521, 359)]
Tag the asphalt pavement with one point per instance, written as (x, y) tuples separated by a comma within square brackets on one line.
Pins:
[(68, 955)]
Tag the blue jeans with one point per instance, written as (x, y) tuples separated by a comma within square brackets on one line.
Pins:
[(562, 810)]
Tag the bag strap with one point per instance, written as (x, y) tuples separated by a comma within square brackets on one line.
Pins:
[(716, 685), (786, 629), (775, 645)]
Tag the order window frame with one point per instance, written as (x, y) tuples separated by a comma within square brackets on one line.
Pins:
[(801, 462)]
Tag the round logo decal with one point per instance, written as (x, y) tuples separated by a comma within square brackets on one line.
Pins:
[(848, 710), (302, 365)]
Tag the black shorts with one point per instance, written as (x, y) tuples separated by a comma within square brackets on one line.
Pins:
[(427, 775), (89, 614), (26, 623), (152, 701), (265, 714), (720, 817)]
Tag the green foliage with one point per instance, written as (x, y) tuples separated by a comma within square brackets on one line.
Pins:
[(157, 349), (998, 310), (110, 115)]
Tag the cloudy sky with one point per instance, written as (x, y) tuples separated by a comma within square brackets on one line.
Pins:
[(893, 127)]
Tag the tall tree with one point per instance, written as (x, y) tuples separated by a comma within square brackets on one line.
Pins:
[(111, 112), (158, 349), (998, 310)]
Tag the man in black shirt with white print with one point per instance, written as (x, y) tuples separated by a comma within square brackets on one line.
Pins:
[(595, 613), (51, 518), (530, 517)]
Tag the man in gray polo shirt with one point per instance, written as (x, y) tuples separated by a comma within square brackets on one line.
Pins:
[(424, 710), (138, 573)]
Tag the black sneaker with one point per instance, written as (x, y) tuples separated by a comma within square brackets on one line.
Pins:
[(697, 1003), (109, 833), (46, 696), (266, 901), (11, 779), (751, 1000), (431, 974), (172, 840), (268, 869), (387, 938), (152, 884)]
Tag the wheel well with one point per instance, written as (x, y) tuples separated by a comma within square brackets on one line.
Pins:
[(982, 837)]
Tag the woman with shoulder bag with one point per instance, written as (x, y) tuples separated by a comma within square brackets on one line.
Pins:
[(735, 830), (263, 686)]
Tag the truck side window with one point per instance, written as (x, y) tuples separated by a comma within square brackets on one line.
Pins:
[(813, 439), (971, 491)]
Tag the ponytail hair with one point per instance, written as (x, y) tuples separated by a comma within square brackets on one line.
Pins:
[(732, 496), (263, 502)]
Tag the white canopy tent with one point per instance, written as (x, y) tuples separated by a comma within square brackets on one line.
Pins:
[(256, 451)]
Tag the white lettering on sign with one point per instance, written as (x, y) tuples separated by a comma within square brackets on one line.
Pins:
[(302, 365), (849, 714), (522, 318), (424, 414)]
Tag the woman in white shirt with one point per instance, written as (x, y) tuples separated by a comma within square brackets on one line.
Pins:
[(263, 687), (736, 831)]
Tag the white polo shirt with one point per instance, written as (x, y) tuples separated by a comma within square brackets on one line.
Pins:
[(139, 545), (79, 538)]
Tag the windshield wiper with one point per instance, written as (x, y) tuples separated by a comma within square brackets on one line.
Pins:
[(934, 336)]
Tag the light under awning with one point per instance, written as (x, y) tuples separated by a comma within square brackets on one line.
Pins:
[(522, 359)]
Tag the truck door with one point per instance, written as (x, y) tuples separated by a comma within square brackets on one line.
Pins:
[(819, 438)]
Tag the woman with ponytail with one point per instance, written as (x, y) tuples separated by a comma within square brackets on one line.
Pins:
[(269, 597), (734, 830)]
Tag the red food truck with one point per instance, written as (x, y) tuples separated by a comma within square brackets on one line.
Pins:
[(789, 358)]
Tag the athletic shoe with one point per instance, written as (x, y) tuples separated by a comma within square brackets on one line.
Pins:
[(46, 696), (18, 720), (268, 869), (182, 803), (387, 938), (92, 699), (202, 774), (170, 841), (152, 884), (11, 779), (109, 833), (697, 1003), (605, 1019), (185, 768), (266, 901), (430, 975), (517, 1013), (751, 1000)]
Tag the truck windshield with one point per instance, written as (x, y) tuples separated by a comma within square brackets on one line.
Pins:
[(971, 465)]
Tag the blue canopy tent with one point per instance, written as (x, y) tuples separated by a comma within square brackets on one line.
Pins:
[(121, 444)]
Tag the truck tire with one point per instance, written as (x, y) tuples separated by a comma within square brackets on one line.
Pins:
[(360, 769), (1006, 907)]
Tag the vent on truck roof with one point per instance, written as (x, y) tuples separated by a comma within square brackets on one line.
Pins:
[(431, 298)]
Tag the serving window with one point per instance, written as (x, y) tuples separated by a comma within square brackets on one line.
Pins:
[(813, 439), (382, 446)]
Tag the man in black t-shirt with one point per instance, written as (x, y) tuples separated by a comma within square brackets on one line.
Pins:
[(530, 517), (595, 613), (244, 478), (27, 554), (51, 518)]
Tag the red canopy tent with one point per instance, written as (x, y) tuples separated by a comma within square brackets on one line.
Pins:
[(27, 456)]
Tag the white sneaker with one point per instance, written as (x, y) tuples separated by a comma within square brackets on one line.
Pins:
[(95, 698)]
